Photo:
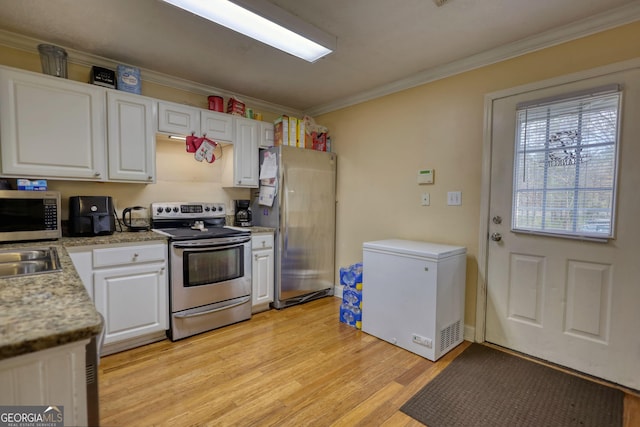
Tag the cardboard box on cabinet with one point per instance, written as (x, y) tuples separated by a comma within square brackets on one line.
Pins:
[(293, 130), (319, 141), (281, 131), (300, 134), (129, 79)]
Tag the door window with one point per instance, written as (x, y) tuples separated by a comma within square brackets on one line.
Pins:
[(565, 164)]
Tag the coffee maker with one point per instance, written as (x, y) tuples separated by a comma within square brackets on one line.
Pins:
[(243, 213)]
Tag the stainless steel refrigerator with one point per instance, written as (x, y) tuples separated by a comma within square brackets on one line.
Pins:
[(304, 216)]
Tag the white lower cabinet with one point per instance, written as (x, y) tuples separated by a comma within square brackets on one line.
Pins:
[(262, 270), (129, 286), (55, 376)]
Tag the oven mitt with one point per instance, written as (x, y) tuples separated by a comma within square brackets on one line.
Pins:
[(193, 143), (205, 150)]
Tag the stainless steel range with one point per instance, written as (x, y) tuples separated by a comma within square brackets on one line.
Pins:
[(209, 266)]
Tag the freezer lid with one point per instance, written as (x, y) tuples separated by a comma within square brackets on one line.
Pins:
[(415, 248)]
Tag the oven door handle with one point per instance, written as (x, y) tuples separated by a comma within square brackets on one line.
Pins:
[(203, 246), (226, 307)]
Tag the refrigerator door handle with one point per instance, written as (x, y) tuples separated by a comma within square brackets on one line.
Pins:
[(284, 210)]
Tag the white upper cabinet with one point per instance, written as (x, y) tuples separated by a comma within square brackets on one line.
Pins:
[(245, 155), (217, 126), (184, 120), (131, 137), (178, 119), (51, 127), (267, 137)]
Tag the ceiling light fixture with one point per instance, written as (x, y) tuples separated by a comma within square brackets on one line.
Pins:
[(265, 22)]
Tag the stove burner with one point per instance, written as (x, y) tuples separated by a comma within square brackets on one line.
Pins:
[(191, 220)]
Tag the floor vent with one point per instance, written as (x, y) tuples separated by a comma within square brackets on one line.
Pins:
[(91, 373), (450, 336)]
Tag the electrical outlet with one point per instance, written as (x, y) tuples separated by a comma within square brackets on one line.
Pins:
[(454, 198), (425, 199)]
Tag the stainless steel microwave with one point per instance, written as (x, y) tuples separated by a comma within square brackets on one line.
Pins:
[(29, 215)]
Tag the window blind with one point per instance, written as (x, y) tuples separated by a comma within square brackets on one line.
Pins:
[(565, 165)]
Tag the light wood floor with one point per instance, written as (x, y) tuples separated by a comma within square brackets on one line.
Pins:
[(294, 367)]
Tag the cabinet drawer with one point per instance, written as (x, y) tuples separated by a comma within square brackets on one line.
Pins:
[(262, 241), (128, 254)]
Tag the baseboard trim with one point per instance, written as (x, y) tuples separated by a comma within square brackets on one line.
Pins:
[(469, 333), (130, 343)]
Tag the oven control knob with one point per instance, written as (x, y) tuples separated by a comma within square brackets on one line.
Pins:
[(175, 209), (159, 209), (207, 209)]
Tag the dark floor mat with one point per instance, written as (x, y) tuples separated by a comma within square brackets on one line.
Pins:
[(488, 387)]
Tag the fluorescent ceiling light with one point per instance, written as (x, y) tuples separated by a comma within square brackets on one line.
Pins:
[(264, 22)]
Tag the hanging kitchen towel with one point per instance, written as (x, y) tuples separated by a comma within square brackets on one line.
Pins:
[(205, 150)]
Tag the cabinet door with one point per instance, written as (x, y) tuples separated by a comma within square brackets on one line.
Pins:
[(133, 300), (178, 119), (55, 375), (131, 137), (266, 139), (262, 271), (51, 127), (245, 153), (217, 126)]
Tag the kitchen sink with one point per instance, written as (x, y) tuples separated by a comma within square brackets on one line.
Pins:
[(22, 262)]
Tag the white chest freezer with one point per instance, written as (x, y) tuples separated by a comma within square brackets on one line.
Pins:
[(413, 295)]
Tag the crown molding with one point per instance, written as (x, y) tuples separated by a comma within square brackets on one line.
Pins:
[(30, 45), (604, 21)]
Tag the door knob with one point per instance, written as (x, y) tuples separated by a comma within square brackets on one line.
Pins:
[(496, 237)]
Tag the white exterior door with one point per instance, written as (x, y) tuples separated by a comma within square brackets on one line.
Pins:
[(572, 302)]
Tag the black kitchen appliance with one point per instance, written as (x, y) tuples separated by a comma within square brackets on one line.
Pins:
[(136, 218), (243, 213), (91, 216)]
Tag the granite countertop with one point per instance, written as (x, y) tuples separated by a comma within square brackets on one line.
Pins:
[(46, 310)]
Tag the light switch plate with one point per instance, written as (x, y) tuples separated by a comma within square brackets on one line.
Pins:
[(425, 199), (454, 198)]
